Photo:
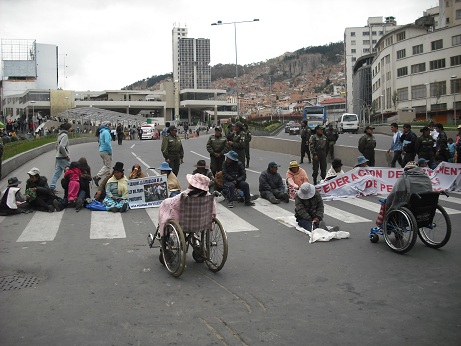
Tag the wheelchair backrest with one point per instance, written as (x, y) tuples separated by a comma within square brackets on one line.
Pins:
[(424, 207), (196, 213)]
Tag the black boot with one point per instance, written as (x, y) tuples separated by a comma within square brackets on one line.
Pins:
[(248, 164)]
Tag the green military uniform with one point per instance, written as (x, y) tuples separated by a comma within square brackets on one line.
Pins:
[(318, 146), (332, 137), (367, 145), (217, 147), (173, 151), (424, 147), (239, 142), (247, 147)]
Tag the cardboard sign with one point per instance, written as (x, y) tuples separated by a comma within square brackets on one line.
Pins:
[(147, 192)]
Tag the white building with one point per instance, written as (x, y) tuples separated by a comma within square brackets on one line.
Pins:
[(417, 67)]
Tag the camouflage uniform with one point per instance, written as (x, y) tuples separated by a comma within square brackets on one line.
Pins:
[(217, 147), (318, 146), (305, 136), (173, 151)]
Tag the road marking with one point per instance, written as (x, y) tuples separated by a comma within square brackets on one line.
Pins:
[(452, 211), (2, 218), (342, 215), (42, 227), (132, 146), (106, 225), (274, 212), (153, 215), (358, 202), (205, 157), (140, 160), (450, 199), (231, 221)]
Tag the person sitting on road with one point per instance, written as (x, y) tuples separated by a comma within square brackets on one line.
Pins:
[(234, 176), (309, 208), (13, 201), (41, 197), (361, 162), (170, 207), (295, 177), (174, 188), (334, 170), (117, 190), (271, 186), (202, 168), (136, 172)]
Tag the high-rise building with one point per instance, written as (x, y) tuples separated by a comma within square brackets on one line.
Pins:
[(360, 41), (191, 60)]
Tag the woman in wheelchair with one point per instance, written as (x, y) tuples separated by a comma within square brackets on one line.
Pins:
[(170, 207)]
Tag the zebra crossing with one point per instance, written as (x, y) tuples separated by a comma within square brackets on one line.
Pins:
[(44, 227)]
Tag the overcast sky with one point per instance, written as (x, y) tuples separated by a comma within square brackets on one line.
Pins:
[(113, 43)]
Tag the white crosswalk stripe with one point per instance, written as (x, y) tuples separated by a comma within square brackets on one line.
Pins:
[(106, 225), (43, 227)]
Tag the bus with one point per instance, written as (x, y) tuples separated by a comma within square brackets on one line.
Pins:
[(315, 115)]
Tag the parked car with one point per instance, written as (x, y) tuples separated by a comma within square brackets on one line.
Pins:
[(295, 129), (288, 125)]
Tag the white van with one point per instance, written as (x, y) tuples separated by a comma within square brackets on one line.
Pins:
[(348, 122)]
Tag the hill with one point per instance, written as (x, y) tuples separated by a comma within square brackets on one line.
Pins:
[(311, 70)]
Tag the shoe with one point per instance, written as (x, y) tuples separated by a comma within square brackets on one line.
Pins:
[(113, 209), (150, 240), (301, 161), (250, 203), (96, 180), (51, 208), (78, 204), (286, 198), (247, 166), (274, 200), (254, 197), (230, 205), (124, 207), (57, 205), (71, 204)]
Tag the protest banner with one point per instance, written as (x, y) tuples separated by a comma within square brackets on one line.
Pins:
[(365, 181), (147, 192)]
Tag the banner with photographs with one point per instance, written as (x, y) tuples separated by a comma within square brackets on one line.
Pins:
[(147, 192)]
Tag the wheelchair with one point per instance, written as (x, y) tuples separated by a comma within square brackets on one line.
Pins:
[(205, 235), (422, 217)]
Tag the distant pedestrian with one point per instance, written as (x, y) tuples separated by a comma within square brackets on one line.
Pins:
[(62, 153), (120, 133), (247, 144), (396, 146), (441, 153), (424, 146), (318, 146), (332, 136), (305, 136), (408, 139), (367, 145), (172, 149), (457, 158), (105, 151)]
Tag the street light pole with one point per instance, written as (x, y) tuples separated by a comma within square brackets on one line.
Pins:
[(219, 22), (382, 108)]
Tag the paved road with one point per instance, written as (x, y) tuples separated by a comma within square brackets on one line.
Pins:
[(275, 289)]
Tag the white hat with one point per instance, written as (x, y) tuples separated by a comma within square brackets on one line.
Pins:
[(410, 165), (306, 191), (34, 171)]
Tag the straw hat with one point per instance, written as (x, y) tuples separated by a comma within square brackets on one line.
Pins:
[(198, 181)]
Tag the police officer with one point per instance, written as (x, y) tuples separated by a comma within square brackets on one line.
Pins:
[(318, 146), (237, 142), (424, 146), (367, 145), (305, 135), (247, 142), (332, 137), (172, 149), (217, 147)]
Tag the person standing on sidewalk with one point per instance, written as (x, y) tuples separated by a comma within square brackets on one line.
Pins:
[(396, 146), (105, 151), (332, 137), (305, 136), (367, 145), (62, 153)]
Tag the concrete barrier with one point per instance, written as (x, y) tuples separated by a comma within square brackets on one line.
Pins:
[(11, 164), (348, 155)]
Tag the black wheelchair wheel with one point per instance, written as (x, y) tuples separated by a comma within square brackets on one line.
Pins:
[(216, 246), (374, 238), (174, 248), (438, 233), (400, 230)]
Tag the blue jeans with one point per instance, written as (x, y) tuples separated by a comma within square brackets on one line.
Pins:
[(61, 163), (307, 224), (241, 185)]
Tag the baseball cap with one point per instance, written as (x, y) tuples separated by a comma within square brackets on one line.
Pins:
[(273, 164), (34, 171)]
